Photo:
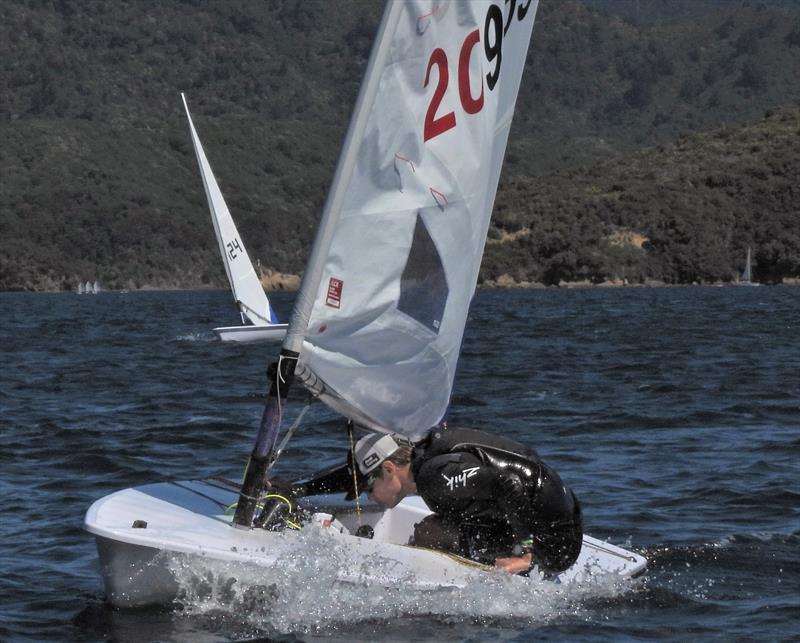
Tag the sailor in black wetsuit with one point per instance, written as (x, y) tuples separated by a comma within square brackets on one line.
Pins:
[(493, 499)]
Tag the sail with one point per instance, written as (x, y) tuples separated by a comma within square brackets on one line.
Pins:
[(747, 275), (400, 262), (247, 290)]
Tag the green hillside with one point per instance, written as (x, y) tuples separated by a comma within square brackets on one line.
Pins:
[(98, 179), (680, 213)]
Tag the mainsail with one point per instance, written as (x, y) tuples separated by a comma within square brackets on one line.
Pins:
[(401, 264), (377, 325), (247, 290)]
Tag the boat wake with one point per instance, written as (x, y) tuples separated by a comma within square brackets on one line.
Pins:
[(196, 337), (305, 592)]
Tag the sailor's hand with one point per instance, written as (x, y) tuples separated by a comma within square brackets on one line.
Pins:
[(514, 564)]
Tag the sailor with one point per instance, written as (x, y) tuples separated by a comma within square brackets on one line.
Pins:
[(494, 500)]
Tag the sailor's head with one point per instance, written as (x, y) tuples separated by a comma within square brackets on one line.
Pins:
[(381, 459)]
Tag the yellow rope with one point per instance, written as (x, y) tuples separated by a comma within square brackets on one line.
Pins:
[(290, 523), (355, 476), (455, 557)]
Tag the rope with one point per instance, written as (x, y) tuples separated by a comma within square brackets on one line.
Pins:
[(355, 476), (288, 436)]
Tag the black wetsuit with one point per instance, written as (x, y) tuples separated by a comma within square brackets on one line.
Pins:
[(499, 496)]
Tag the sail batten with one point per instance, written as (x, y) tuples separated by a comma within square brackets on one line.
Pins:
[(394, 268)]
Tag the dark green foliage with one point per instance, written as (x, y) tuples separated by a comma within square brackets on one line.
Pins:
[(98, 179), (699, 203)]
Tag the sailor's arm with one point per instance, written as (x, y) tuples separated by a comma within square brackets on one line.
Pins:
[(332, 480), (515, 505), (461, 481), (454, 482)]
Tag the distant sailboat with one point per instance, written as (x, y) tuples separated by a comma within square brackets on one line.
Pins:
[(81, 289), (95, 288), (259, 321), (746, 279)]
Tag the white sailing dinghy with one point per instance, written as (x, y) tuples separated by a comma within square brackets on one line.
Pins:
[(377, 326), (259, 321)]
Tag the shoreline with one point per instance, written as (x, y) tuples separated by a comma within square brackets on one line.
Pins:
[(291, 283)]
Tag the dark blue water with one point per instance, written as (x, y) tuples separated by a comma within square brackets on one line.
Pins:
[(673, 413)]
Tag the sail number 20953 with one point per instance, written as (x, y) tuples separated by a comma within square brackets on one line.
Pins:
[(495, 27)]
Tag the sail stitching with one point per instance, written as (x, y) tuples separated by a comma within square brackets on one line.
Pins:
[(434, 193)]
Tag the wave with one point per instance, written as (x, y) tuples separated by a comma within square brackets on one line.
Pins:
[(196, 337), (304, 593)]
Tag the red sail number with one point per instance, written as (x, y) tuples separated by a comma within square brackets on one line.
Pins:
[(434, 125), (471, 105)]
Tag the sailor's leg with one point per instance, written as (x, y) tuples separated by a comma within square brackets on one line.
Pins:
[(435, 533)]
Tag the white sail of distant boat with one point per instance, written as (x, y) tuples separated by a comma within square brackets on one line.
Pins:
[(81, 289), (87, 287), (746, 278), (95, 288), (259, 321), (378, 323)]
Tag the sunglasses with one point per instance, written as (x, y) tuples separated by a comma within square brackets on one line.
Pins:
[(369, 481)]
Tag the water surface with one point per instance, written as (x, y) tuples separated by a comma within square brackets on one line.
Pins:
[(673, 413)]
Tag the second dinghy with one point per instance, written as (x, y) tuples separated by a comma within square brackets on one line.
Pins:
[(259, 321)]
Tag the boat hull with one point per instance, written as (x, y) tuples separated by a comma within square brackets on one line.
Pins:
[(146, 534), (250, 334)]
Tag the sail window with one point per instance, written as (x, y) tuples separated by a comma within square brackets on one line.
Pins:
[(423, 285)]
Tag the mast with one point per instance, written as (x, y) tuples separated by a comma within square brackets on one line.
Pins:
[(293, 341)]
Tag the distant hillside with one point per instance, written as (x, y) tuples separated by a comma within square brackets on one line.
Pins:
[(98, 180), (680, 213), (669, 11)]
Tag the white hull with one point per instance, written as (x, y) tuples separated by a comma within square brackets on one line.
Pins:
[(247, 334), (186, 521)]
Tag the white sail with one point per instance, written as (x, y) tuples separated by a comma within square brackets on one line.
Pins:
[(747, 275), (411, 204), (247, 290)]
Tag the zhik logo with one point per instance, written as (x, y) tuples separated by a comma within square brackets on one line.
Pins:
[(461, 478)]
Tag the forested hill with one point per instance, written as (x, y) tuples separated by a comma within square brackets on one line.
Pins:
[(640, 149), (678, 213)]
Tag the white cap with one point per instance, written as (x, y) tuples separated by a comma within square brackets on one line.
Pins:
[(372, 450)]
